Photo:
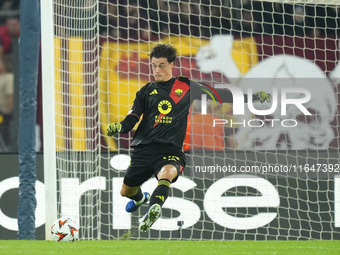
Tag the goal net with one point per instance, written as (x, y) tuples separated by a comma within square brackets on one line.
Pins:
[(248, 176)]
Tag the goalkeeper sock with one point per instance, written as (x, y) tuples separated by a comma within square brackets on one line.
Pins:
[(139, 197), (161, 193)]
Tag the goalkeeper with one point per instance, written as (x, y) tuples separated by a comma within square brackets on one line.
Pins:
[(159, 138)]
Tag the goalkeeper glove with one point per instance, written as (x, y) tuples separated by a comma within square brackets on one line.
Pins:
[(113, 129), (262, 96)]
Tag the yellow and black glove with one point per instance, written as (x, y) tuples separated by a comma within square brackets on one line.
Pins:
[(113, 129), (262, 96)]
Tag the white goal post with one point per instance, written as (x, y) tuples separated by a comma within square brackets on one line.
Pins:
[(48, 79), (95, 59)]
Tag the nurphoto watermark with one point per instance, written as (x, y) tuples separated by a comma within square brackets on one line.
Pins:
[(239, 106)]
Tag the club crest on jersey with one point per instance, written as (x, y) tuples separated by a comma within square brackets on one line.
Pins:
[(179, 92)]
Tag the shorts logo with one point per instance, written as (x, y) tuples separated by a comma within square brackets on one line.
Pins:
[(171, 158)]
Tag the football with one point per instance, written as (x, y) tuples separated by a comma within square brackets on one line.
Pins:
[(64, 230)]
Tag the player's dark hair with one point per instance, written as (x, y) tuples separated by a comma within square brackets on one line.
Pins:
[(164, 51)]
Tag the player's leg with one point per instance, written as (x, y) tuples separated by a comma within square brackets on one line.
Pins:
[(135, 194), (166, 175), (137, 173)]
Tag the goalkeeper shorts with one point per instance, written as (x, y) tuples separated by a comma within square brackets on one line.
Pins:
[(148, 160)]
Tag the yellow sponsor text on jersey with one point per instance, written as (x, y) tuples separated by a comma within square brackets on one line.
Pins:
[(163, 119)]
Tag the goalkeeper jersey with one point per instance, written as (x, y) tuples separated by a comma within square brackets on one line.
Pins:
[(165, 108)]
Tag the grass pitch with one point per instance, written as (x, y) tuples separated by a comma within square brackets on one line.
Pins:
[(171, 247)]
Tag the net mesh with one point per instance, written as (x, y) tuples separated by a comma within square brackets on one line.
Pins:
[(101, 61)]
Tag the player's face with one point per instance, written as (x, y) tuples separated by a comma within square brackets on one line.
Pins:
[(162, 70)]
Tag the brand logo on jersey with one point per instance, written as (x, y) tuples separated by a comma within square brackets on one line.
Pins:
[(153, 92), (179, 92), (164, 107)]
